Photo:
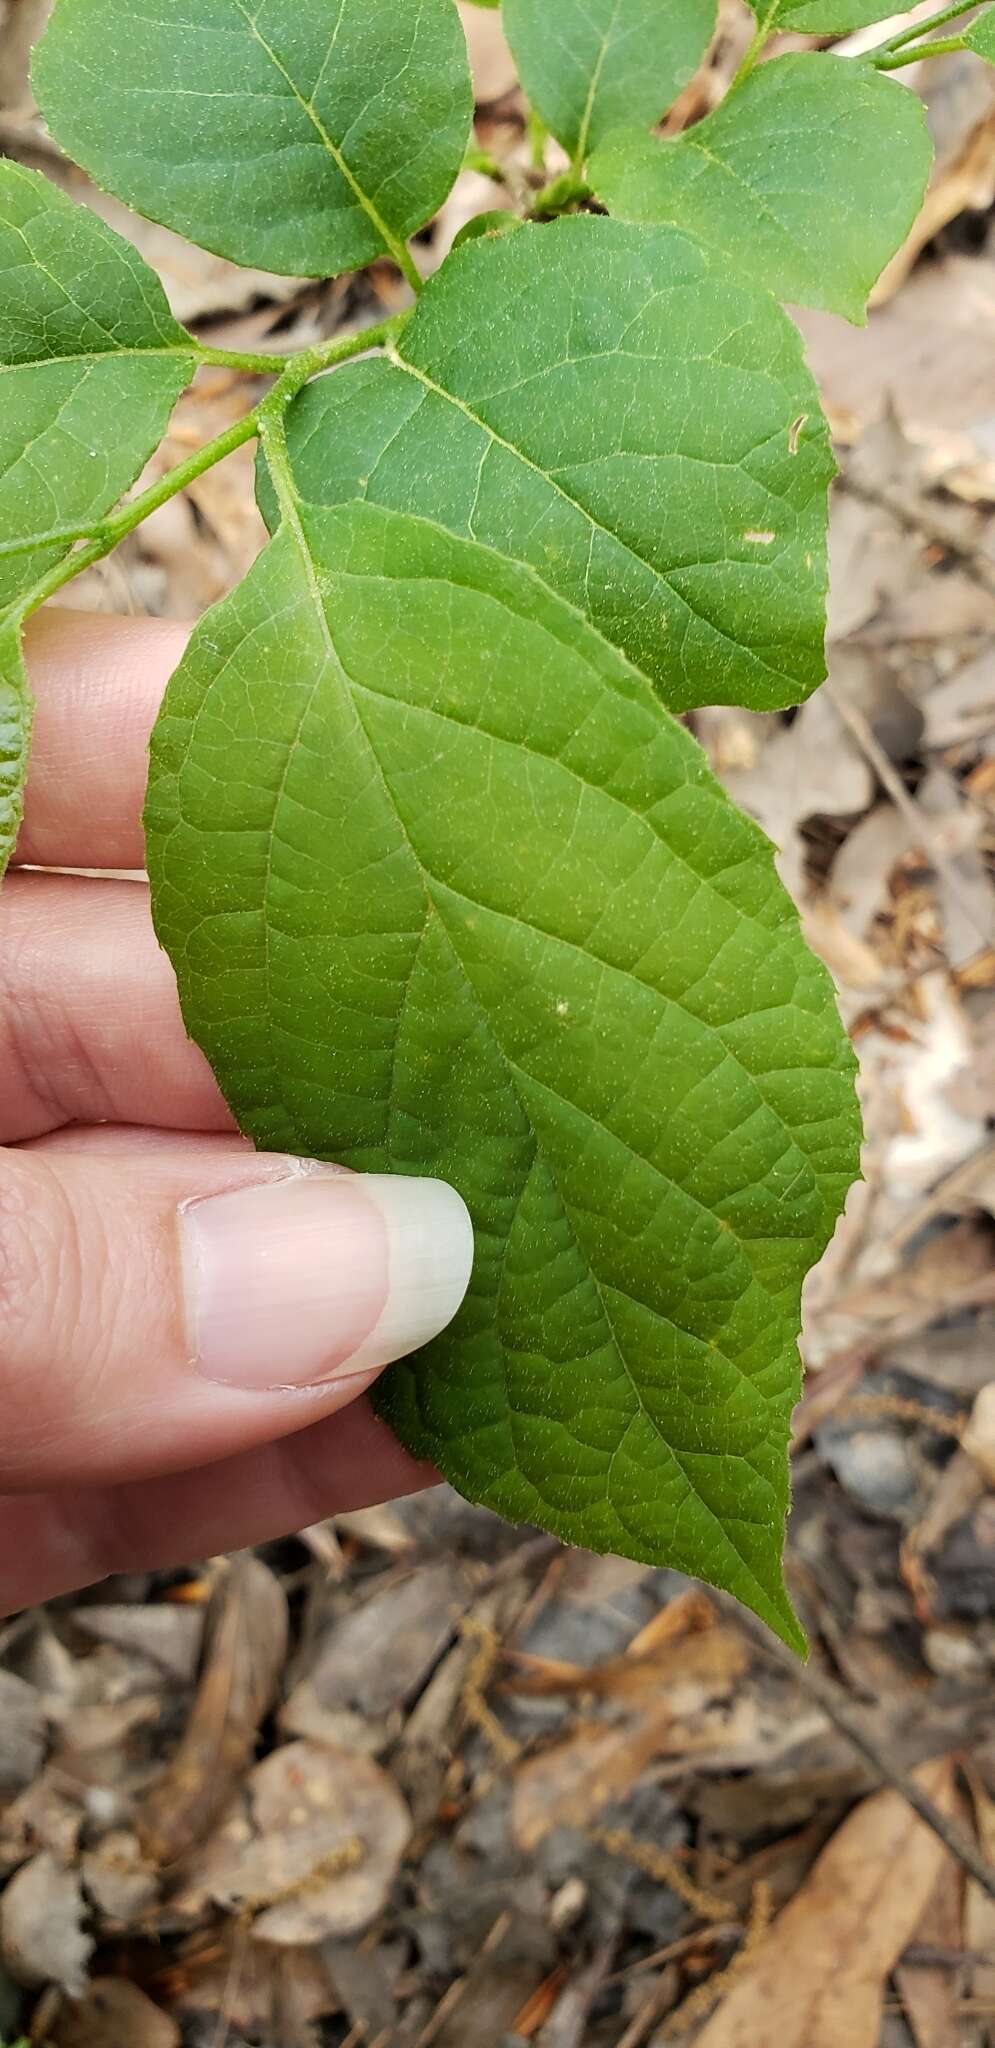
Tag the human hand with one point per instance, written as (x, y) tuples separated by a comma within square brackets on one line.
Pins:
[(187, 1327)]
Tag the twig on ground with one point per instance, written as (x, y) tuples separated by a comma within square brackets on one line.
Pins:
[(850, 1722), (890, 780)]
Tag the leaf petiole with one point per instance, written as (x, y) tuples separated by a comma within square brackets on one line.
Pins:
[(944, 46), (915, 34), (761, 37), (104, 535), (566, 190)]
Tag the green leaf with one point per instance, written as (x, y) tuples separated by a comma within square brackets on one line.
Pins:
[(448, 892), (91, 365), (589, 66), (980, 37), (823, 17), (496, 222), (807, 178), (15, 733), (300, 138), (604, 403)]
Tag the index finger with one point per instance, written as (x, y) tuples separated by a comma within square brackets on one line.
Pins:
[(98, 683)]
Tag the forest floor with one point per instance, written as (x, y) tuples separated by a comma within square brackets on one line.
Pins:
[(416, 1779)]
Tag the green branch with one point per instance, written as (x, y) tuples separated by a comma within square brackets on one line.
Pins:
[(566, 190), (104, 535), (761, 37), (882, 51), (944, 46)]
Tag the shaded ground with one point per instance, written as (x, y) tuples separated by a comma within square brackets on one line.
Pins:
[(417, 1778)]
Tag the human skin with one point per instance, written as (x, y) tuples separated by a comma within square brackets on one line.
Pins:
[(187, 1327)]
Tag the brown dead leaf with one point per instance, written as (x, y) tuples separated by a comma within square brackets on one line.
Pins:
[(247, 1644), (41, 1926), (979, 1909), (383, 1648), (675, 1692), (928, 1991), (978, 1438), (166, 1636), (809, 768), (377, 1528), (818, 1979), (570, 1785), (114, 2014), (686, 1670), (328, 1832), (118, 1880), (22, 1733), (961, 107), (236, 1979)]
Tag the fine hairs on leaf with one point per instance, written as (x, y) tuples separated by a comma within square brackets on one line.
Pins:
[(448, 888)]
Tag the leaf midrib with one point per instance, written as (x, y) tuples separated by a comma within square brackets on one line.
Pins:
[(580, 153), (296, 529), (169, 352), (390, 241)]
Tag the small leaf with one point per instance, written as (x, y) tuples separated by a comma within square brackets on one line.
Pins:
[(290, 137), (604, 403), (474, 905), (91, 364), (494, 223), (980, 37), (15, 733), (823, 17), (807, 178), (589, 66)]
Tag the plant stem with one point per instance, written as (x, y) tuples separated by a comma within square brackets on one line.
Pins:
[(943, 46), (103, 535), (273, 435), (107, 535), (560, 193), (236, 359), (538, 136), (917, 31), (760, 38), (477, 159)]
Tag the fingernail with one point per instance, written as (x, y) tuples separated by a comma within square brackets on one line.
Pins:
[(294, 1282)]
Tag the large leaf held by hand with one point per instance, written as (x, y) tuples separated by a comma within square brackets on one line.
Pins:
[(448, 891), (603, 403), (807, 178), (299, 138), (590, 65), (91, 365), (15, 731)]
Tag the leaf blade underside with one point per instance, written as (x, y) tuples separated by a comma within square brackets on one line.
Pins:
[(297, 139), (807, 178), (601, 402), (588, 66), (91, 364), (487, 914)]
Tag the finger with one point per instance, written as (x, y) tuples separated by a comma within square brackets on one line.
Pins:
[(98, 683), (165, 1309), (54, 1543), (90, 1024)]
